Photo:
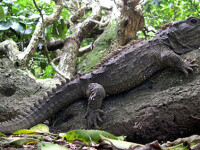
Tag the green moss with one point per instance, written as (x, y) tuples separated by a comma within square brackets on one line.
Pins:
[(105, 40)]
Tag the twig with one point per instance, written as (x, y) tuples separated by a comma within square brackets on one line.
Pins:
[(195, 117), (77, 3), (56, 59), (56, 69), (195, 6), (85, 49), (101, 24), (73, 3)]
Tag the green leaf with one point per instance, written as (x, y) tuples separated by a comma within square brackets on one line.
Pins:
[(50, 146), (87, 135), (49, 69), (48, 34), (43, 65), (27, 32), (1, 134), (24, 131), (59, 29), (118, 144), (41, 128), (38, 129), (5, 25), (62, 29), (18, 141), (22, 141), (18, 27), (65, 13), (2, 15), (178, 147)]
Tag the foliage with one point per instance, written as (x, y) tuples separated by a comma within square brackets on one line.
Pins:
[(158, 12), (18, 19), (84, 139), (2, 134), (2, 15), (17, 141), (119, 144), (39, 66), (87, 135), (38, 129)]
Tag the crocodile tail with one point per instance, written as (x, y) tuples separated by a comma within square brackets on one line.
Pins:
[(51, 103)]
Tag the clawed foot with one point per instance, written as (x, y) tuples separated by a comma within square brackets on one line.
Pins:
[(187, 68), (92, 116)]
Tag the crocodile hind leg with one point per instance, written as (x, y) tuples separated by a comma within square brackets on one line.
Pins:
[(171, 59), (95, 94)]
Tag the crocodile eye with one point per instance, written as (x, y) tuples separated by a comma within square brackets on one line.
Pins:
[(193, 21)]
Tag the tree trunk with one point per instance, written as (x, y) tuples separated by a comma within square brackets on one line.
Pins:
[(18, 92), (163, 108), (130, 22)]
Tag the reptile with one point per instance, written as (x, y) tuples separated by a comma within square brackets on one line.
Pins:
[(123, 71)]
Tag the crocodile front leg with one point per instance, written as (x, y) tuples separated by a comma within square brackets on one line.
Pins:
[(171, 59), (96, 94)]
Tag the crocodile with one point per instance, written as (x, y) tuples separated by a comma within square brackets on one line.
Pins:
[(124, 70)]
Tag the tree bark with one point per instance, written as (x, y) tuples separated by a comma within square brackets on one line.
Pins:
[(18, 91)]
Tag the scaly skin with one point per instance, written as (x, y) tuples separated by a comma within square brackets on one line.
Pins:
[(121, 72)]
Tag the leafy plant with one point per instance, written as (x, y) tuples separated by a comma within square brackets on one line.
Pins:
[(87, 135), (39, 135), (158, 12), (18, 19), (38, 129)]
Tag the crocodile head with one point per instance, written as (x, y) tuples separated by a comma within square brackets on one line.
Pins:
[(184, 36)]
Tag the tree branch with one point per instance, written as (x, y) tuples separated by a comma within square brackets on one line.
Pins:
[(45, 45), (83, 29), (72, 43), (10, 49), (54, 45), (22, 58)]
